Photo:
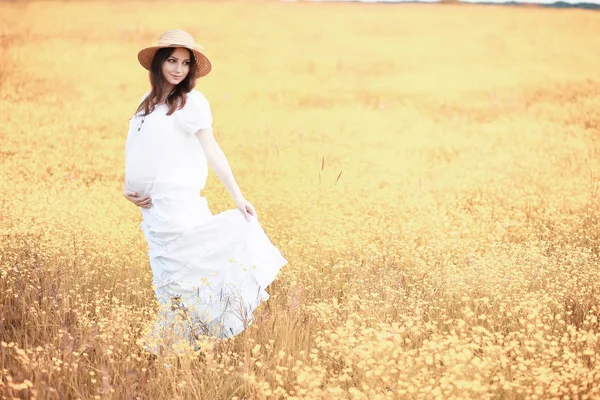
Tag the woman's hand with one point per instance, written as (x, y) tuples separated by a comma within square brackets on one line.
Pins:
[(245, 207), (140, 201)]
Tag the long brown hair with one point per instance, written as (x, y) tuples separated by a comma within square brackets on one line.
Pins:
[(176, 99)]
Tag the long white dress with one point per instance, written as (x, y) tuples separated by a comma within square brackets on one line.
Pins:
[(209, 271)]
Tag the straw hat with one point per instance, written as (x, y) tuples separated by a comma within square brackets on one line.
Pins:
[(176, 38)]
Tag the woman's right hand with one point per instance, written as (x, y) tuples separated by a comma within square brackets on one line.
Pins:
[(140, 201)]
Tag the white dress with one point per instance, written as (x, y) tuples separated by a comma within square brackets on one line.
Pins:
[(209, 271)]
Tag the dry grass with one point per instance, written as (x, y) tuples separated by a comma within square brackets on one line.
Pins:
[(455, 257)]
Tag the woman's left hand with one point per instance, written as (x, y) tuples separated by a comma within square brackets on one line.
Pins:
[(246, 208)]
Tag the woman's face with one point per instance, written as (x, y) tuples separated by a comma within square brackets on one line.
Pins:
[(176, 66)]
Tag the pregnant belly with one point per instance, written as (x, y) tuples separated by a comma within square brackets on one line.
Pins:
[(141, 169)]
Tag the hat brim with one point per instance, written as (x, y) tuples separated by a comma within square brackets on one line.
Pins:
[(203, 64)]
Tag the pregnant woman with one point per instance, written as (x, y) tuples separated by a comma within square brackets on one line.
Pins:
[(209, 271)]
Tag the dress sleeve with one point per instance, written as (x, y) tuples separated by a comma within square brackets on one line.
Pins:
[(196, 114)]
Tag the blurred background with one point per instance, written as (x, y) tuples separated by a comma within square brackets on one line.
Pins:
[(591, 4)]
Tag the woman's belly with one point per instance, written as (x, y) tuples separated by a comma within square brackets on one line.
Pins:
[(157, 163), (141, 165)]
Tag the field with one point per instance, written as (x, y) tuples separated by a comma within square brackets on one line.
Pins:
[(431, 173)]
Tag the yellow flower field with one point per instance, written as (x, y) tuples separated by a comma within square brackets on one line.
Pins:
[(431, 172)]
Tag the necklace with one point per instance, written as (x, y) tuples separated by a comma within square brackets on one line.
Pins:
[(144, 118)]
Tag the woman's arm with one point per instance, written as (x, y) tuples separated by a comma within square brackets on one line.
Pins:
[(140, 201), (218, 162)]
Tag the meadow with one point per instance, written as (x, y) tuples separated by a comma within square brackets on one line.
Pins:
[(431, 173)]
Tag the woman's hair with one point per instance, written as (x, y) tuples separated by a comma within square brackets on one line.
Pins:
[(176, 99)]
